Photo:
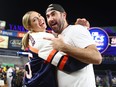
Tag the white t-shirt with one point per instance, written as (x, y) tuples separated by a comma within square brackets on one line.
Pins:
[(78, 36)]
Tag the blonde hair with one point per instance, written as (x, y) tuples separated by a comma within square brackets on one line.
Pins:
[(26, 23), (26, 20), (25, 41)]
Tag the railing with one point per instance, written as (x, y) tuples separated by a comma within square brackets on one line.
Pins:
[(8, 52)]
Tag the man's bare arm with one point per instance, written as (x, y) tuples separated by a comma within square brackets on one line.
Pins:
[(90, 54)]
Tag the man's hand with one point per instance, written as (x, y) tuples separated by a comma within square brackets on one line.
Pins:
[(83, 22), (57, 43)]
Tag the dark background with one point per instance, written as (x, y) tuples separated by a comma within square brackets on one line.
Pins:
[(98, 12)]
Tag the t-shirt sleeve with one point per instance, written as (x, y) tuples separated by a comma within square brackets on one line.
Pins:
[(81, 37)]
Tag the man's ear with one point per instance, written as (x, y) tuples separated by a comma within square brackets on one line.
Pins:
[(64, 14)]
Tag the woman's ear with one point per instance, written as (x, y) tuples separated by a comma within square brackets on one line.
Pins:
[(29, 28)]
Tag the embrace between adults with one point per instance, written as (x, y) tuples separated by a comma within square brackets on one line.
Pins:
[(62, 58)]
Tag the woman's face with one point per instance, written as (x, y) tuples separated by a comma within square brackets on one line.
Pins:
[(37, 22)]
